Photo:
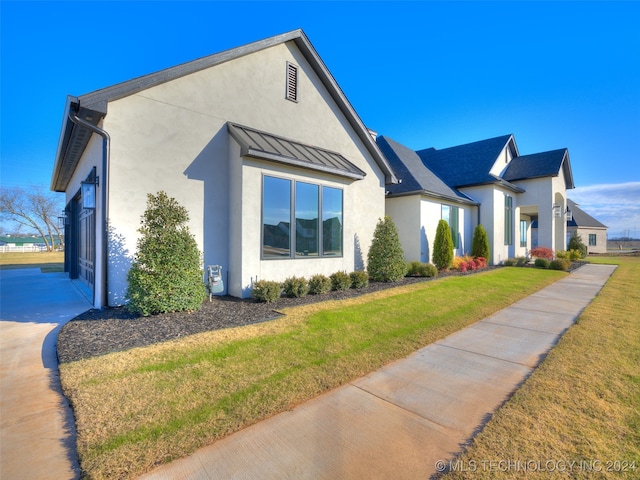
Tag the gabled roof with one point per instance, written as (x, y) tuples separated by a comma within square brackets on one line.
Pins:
[(545, 164), (581, 218), (470, 164), (92, 107), (257, 144), (415, 177)]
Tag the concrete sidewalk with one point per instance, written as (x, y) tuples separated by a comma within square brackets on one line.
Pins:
[(399, 421), (37, 434)]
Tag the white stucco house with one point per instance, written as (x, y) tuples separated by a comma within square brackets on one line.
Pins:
[(486, 182), (592, 232), (259, 143)]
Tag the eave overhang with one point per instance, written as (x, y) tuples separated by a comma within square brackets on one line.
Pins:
[(93, 106)]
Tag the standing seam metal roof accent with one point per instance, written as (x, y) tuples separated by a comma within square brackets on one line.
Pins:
[(268, 146)]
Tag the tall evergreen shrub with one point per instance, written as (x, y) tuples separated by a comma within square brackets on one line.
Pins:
[(576, 243), (385, 260), (480, 244), (165, 275), (443, 246)]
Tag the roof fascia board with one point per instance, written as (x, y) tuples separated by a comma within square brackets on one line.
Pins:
[(260, 155), (63, 143), (305, 46), (99, 99), (439, 196)]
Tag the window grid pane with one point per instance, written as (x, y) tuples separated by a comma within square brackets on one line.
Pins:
[(331, 222), (307, 228), (276, 217)]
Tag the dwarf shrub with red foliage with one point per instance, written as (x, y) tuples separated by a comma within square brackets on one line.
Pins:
[(542, 252), (463, 267), (481, 262)]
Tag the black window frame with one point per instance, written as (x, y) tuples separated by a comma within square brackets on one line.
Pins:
[(321, 239)]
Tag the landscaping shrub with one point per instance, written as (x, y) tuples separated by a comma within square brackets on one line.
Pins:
[(576, 243), (319, 284), (542, 252), (569, 254), (560, 264), (521, 261), (166, 273), (481, 262), (480, 244), (359, 279), (443, 246), (420, 269), (340, 281), (296, 287), (510, 262), (266, 291), (385, 260), (542, 263)]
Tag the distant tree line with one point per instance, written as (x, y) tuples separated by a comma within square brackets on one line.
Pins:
[(35, 209)]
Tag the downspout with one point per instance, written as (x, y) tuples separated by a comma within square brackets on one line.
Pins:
[(106, 152)]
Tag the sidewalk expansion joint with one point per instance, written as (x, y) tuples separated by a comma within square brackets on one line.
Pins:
[(491, 356), (573, 319), (399, 407)]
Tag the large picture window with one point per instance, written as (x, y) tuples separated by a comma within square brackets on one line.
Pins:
[(287, 202), (451, 215)]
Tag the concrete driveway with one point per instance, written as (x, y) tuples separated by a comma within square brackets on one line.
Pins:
[(37, 434)]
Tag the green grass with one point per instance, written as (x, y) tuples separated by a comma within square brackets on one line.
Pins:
[(48, 262), (582, 404), (137, 409)]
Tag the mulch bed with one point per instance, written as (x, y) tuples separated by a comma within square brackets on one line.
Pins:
[(98, 332)]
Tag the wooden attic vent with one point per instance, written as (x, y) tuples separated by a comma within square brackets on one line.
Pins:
[(292, 82)]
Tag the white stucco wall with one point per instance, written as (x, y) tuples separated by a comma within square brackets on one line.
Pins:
[(417, 217), (173, 137)]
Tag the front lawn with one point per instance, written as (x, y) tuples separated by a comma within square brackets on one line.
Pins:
[(147, 406)]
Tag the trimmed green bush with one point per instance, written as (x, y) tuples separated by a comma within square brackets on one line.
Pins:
[(319, 284), (510, 262), (480, 243), (443, 246), (340, 281), (266, 291), (359, 279), (166, 273), (295, 287), (576, 243), (560, 264), (521, 261), (542, 263), (385, 260), (419, 269)]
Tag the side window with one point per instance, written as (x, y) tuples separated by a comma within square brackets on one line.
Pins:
[(291, 213), (276, 217)]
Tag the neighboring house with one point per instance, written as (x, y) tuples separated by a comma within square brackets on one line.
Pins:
[(486, 182), (592, 232), (251, 141)]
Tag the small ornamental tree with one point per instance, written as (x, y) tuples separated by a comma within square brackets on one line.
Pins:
[(443, 246), (165, 275), (480, 244), (576, 243), (385, 260)]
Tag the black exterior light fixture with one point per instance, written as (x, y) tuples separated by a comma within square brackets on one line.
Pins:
[(88, 190)]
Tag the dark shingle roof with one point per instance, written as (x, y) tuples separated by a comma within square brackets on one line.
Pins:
[(255, 143), (466, 165), (545, 164), (415, 176), (582, 218)]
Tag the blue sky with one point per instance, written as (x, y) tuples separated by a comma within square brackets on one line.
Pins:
[(427, 74)]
